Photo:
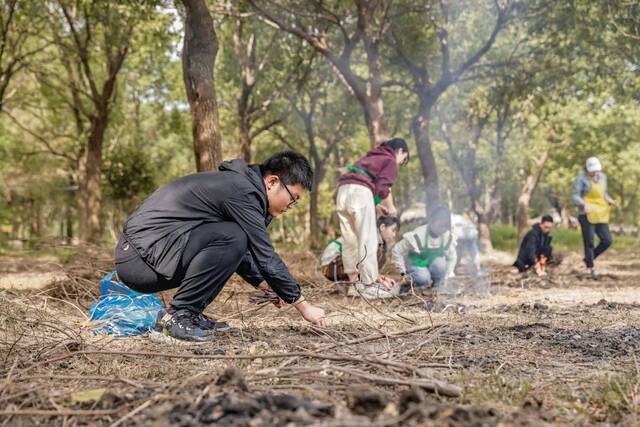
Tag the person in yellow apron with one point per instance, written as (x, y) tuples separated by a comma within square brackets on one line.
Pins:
[(594, 204)]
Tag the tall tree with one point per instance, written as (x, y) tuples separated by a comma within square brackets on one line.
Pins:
[(324, 126), (335, 30), (483, 190), (198, 59), (19, 22), (265, 64), (93, 40), (412, 39)]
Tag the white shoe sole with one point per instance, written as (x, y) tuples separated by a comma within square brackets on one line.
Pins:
[(160, 338)]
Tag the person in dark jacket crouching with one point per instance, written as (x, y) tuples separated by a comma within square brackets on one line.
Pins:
[(536, 250), (195, 232)]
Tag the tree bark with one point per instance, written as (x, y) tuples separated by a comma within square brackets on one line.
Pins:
[(198, 62), (420, 126), (90, 201), (246, 55), (372, 104), (530, 183), (314, 216), (69, 224), (484, 232)]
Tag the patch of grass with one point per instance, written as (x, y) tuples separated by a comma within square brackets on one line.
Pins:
[(505, 238), (495, 387), (616, 400), (63, 253)]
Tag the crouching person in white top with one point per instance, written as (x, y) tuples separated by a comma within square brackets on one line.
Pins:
[(426, 256)]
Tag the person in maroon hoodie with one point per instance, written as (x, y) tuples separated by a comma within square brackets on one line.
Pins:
[(363, 192)]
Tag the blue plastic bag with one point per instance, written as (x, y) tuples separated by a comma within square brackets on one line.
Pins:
[(123, 312)]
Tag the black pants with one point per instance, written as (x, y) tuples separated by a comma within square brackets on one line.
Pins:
[(213, 253), (588, 236), (523, 262)]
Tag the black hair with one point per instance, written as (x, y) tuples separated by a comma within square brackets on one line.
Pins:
[(398, 144), (291, 167), (388, 221), (441, 213), (547, 218)]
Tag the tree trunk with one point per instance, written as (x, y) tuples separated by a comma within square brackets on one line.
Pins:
[(564, 216), (530, 184), (373, 105), (420, 126), (522, 213), (484, 232), (90, 197), (314, 217), (244, 139), (69, 224), (246, 56), (198, 61), (35, 221), (373, 108)]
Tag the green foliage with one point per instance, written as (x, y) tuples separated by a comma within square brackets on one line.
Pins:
[(568, 73), (505, 238)]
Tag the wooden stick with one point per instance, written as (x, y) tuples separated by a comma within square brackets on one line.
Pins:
[(132, 413), (60, 413), (80, 378), (374, 337), (433, 386)]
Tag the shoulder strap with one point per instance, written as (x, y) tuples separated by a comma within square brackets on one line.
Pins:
[(337, 242), (450, 240), (356, 169)]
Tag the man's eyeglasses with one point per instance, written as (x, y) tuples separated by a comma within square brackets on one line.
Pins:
[(294, 201)]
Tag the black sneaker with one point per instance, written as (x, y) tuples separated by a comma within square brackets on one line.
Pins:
[(183, 325), (210, 324)]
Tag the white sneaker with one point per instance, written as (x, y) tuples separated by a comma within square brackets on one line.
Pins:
[(376, 292), (594, 273)]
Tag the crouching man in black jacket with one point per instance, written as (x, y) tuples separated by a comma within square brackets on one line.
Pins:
[(195, 232), (535, 250)]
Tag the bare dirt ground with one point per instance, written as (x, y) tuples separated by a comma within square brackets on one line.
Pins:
[(561, 350)]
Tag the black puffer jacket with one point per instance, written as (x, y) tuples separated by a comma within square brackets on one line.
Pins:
[(159, 229), (534, 244)]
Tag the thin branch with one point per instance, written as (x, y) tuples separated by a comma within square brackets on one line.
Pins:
[(265, 127), (499, 25), (40, 138)]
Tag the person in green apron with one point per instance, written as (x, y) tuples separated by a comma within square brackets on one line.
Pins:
[(364, 192), (594, 205), (331, 260), (427, 255)]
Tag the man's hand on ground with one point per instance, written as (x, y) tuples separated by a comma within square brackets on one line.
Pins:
[(539, 270), (312, 314)]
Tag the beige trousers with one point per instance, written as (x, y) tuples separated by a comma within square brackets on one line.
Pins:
[(357, 214)]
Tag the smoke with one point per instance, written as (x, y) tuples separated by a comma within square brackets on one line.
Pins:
[(466, 285), (470, 277)]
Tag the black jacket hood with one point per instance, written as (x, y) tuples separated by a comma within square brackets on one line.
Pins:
[(252, 172)]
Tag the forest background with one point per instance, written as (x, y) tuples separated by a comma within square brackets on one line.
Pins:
[(501, 102)]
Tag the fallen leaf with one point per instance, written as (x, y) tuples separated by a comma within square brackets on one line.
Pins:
[(88, 395)]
